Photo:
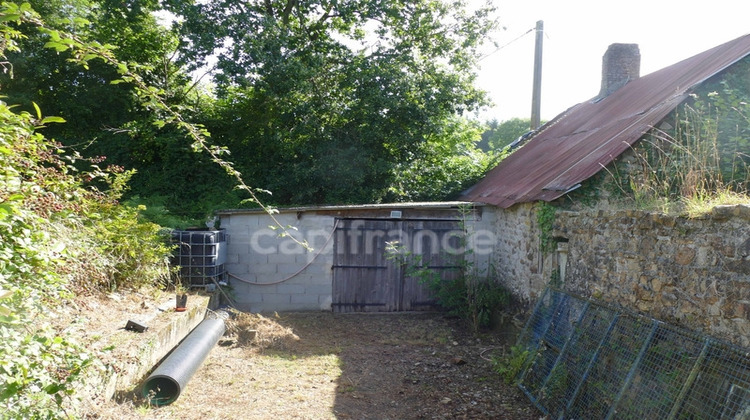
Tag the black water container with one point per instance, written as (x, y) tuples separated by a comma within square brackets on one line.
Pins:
[(200, 255)]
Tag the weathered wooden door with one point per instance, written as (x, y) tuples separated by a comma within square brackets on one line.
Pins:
[(365, 279)]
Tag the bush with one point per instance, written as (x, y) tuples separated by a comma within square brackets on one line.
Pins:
[(57, 235), (37, 370), (473, 299)]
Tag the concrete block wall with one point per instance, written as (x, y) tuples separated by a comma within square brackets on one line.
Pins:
[(270, 271)]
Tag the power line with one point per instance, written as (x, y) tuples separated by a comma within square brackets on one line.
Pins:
[(507, 44)]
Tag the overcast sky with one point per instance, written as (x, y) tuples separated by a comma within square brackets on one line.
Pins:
[(578, 32)]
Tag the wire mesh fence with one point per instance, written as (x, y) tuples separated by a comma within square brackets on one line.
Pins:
[(591, 361)]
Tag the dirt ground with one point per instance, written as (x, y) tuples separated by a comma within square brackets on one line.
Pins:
[(352, 366)]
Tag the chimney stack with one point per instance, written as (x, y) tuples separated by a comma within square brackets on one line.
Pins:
[(620, 64)]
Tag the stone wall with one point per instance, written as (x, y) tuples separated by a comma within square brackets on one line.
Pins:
[(690, 272), (516, 257), (693, 272)]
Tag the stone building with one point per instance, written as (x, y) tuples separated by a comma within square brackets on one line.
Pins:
[(691, 271)]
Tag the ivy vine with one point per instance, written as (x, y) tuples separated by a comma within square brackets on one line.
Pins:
[(545, 217)]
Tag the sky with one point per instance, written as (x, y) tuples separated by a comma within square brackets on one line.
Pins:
[(576, 35)]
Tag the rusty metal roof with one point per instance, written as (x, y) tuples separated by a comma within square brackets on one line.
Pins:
[(578, 143)]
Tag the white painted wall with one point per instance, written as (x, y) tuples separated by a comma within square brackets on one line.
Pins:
[(270, 271)]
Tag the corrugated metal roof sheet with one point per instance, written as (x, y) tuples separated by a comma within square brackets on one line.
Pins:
[(579, 142)]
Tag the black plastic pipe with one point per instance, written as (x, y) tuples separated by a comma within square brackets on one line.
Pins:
[(166, 383)]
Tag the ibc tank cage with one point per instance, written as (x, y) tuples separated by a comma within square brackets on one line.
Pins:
[(200, 255)]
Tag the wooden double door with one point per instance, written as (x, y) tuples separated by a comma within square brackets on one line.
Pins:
[(369, 278)]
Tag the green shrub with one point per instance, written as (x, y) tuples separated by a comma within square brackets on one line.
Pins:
[(467, 295), (58, 234), (38, 370)]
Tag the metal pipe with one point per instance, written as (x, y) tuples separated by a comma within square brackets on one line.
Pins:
[(166, 383)]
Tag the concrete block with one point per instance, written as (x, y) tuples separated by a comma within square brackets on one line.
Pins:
[(243, 298), (264, 270), (286, 288), (308, 299), (289, 268), (242, 221), (239, 249), (319, 289), (282, 259), (320, 280), (263, 242), (276, 298), (300, 278), (304, 259), (320, 269), (233, 258), (226, 221), (282, 307), (291, 248), (234, 222), (237, 269), (238, 238), (239, 288), (265, 285), (254, 259)]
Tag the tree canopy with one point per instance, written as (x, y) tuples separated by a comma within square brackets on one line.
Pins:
[(340, 94), (319, 102)]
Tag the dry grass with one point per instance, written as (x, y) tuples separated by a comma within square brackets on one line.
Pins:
[(260, 332), (326, 366)]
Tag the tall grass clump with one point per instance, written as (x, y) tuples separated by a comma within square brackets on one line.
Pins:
[(697, 160)]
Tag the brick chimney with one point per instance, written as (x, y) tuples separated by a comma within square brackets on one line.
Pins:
[(620, 64)]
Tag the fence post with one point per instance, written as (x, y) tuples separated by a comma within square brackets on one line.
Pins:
[(690, 380), (593, 360), (631, 374)]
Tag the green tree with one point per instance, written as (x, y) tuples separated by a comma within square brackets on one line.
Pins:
[(449, 164), (84, 97), (500, 134), (325, 101), (106, 121), (58, 234)]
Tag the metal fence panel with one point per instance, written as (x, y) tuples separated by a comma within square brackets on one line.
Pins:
[(592, 361)]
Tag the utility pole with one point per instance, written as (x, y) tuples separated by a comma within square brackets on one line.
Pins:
[(536, 95)]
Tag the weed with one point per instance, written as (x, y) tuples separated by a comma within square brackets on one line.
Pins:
[(469, 295), (545, 217), (510, 366)]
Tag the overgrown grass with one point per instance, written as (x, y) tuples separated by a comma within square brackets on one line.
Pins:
[(702, 205), (693, 166)]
